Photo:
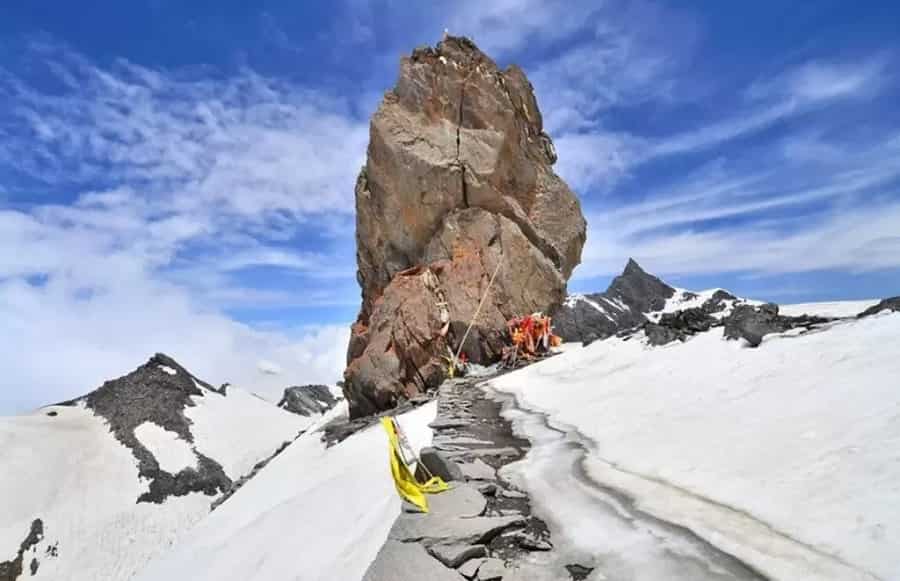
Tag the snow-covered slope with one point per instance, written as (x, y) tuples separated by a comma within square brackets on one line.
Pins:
[(313, 514), (113, 478), (784, 456)]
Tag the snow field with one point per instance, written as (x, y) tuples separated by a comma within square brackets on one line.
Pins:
[(799, 436)]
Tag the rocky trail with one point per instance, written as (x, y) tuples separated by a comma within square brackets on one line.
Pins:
[(483, 527), (488, 527)]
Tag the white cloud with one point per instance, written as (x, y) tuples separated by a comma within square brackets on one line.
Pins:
[(795, 215), (180, 182), (820, 81), (504, 26), (63, 339)]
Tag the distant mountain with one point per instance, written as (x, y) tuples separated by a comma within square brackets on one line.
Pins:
[(95, 487), (625, 304), (637, 301), (633, 299)]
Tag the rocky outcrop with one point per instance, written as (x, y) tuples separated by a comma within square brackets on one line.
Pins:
[(307, 400), (458, 185), (12, 570), (158, 392), (752, 323), (680, 325), (624, 305), (892, 304)]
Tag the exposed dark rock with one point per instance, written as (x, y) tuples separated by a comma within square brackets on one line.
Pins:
[(11, 570), (458, 180), (689, 321), (659, 335), (531, 542), (158, 392), (622, 306), (680, 325), (578, 320), (891, 304), (718, 302), (752, 323), (641, 291), (307, 400)]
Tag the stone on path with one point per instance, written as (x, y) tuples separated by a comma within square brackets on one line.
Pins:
[(478, 470), (461, 501), (398, 561), (437, 464), (454, 554), (491, 570), (477, 530), (470, 568)]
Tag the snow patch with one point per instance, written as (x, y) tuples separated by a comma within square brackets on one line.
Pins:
[(168, 369), (171, 452)]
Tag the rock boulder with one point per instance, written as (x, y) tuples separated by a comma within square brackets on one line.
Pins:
[(458, 184)]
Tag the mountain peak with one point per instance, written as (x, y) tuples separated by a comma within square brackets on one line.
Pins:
[(640, 290), (157, 392), (633, 268)]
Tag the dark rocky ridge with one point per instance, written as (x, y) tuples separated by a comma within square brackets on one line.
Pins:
[(11, 570), (151, 394), (623, 305), (307, 400), (624, 309)]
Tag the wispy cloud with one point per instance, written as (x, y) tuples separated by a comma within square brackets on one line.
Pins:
[(180, 183), (822, 80), (793, 216)]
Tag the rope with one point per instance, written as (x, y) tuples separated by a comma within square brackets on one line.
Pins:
[(477, 311)]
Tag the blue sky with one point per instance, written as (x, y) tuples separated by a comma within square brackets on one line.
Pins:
[(179, 176)]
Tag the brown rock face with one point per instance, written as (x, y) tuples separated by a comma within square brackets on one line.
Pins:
[(458, 179)]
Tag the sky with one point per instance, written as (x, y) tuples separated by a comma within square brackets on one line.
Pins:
[(178, 177)]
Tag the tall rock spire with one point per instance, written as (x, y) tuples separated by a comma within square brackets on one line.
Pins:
[(458, 178)]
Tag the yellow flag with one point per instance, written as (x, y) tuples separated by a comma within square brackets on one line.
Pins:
[(404, 480)]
